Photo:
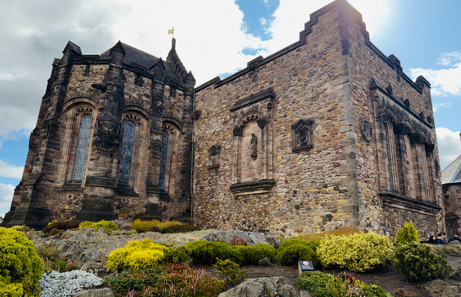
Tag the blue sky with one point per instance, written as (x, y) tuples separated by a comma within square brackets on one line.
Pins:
[(214, 37)]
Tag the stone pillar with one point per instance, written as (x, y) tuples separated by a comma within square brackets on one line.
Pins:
[(393, 161)]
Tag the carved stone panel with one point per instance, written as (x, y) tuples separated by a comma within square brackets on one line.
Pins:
[(107, 137), (367, 130), (213, 155), (302, 135)]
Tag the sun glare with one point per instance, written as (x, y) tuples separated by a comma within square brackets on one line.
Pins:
[(374, 12)]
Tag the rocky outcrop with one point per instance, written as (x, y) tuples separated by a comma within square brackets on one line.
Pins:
[(440, 288), (106, 292), (262, 287), (251, 237), (89, 249)]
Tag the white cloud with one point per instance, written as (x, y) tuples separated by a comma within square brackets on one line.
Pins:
[(449, 145), (263, 21), (438, 106), (11, 171), (6, 195), (445, 81)]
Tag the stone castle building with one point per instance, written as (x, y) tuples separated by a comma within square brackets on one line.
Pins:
[(326, 132)]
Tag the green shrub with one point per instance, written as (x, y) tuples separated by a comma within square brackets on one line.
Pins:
[(206, 252), (419, 263), (136, 255), (98, 225), (154, 229), (296, 252), (65, 225), (180, 228), (358, 252), (250, 255), (294, 249), (176, 255), (315, 282), (376, 291), (143, 226), (407, 234), (20, 265), (49, 253), (163, 225), (60, 266), (231, 269)]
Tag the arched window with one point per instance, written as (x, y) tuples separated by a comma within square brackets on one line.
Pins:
[(82, 146), (163, 158), (127, 152)]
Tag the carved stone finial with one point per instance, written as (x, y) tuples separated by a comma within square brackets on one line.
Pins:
[(237, 131), (261, 123)]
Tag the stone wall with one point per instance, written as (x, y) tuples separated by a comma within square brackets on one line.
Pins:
[(314, 189)]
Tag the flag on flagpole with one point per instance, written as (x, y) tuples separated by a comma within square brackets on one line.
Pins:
[(171, 31)]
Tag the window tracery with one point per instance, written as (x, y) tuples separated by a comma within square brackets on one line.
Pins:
[(127, 153), (82, 147)]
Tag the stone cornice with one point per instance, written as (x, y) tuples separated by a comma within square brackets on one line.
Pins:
[(410, 204), (248, 188), (254, 98)]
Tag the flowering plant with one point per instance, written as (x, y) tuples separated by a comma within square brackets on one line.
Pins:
[(266, 261)]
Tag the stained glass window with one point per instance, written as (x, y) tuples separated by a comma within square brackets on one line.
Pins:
[(82, 147), (127, 152), (164, 150)]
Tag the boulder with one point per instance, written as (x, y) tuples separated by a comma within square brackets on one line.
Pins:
[(262, 287), (440, 288), (106, 292), (251, 237)]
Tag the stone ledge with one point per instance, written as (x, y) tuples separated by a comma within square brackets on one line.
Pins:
[(103, 182), (70, 187), (213, 167), (254, 98), (406, 203), (126, 191), (303, 148), (153, 189), (262, 186)]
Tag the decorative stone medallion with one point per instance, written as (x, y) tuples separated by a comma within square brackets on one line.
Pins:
[(367, 130)]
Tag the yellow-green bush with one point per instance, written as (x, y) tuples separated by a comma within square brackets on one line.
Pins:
[(407, 234), (136, 255), (357, 252), (143, 226), (20, 265), (163, 225), (98, 225)]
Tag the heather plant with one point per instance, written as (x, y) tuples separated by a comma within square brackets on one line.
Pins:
[(107, 225), (315, 282), (407, 234), (164, 225), (123, 225), (64, 225), (419, 263), (358, 252), (181, 228), (239, 241), (136, 255), (20, 265), (231, 269), (402, 293), (174, 280), (143, 226), (266, 261), (154, 229), (56, 231)]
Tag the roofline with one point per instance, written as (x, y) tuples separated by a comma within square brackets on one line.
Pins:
[(314, 18)]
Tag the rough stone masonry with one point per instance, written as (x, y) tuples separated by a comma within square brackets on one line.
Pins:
[(324, 133)]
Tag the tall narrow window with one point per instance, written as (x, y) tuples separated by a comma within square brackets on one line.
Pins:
[(161, 183), (82, 146), (127, 152)]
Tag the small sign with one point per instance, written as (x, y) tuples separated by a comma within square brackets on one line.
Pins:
[(305, 266)]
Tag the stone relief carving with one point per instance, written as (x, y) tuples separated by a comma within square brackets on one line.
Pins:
[(254, 146), (301, 134), (367, 130), (213, 152), (261, 123), (107, 137), (237, 131)]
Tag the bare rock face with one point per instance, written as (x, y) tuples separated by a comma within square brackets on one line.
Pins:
[(252, 237), (440, 288), (262, 287), (88, 249), (106, 292)]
